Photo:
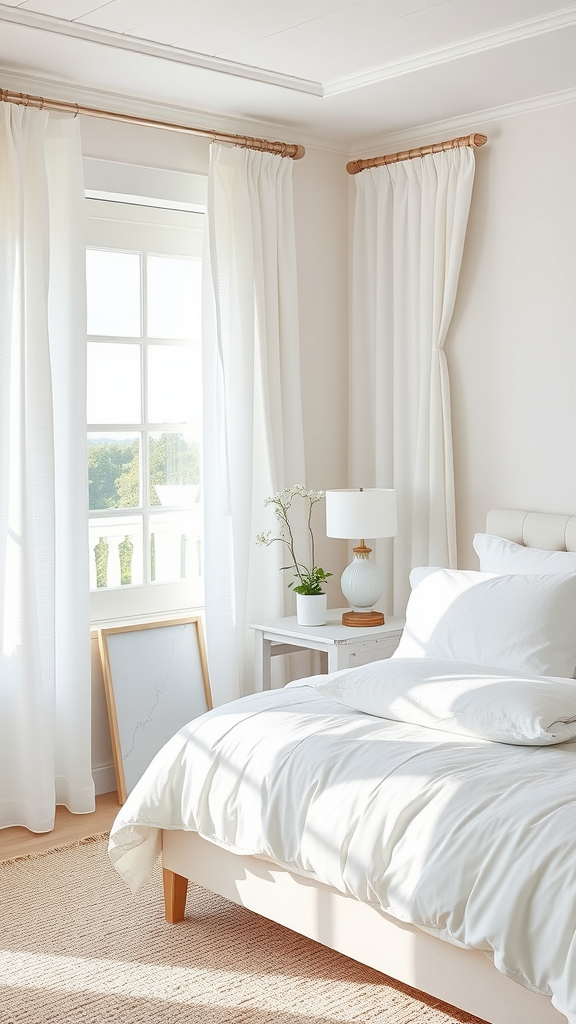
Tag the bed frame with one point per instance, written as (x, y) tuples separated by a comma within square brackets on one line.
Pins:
[(465, 978)]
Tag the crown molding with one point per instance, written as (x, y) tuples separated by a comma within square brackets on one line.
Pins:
[(122, 103), (418, 135), (477, 120), (118, 40), (476, 44)]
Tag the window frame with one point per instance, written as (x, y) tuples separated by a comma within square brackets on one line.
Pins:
[(182, 234)]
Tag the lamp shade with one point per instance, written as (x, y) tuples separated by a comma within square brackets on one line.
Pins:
[(361, 514)]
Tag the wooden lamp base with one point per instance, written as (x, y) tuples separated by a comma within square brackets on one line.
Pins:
[(363, 618)]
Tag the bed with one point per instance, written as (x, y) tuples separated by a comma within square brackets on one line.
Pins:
[(345, 916)]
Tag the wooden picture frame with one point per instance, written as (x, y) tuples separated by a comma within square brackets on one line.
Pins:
[(155, 681)]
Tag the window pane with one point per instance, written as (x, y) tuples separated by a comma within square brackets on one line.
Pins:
[(113, 293), (175, 385), (174, 291), (114, 394), (176, 546), (114, 470), (174, 463), (116, 551)]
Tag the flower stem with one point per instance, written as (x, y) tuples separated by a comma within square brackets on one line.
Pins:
[(290, 541), (310, 529)]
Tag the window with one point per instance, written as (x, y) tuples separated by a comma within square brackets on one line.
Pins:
[(144, 409)]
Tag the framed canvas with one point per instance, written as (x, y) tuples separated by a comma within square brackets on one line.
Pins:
[(155, 680)]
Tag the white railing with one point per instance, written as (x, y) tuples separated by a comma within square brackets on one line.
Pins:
[(116, 545)]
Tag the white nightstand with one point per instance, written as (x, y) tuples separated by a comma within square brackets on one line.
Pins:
[(346, 646)]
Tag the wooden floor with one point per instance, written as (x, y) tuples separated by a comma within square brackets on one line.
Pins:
[(18, 841)]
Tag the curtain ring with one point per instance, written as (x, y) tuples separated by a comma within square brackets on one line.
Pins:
[(25, 99), (77, 110), (41, 107)]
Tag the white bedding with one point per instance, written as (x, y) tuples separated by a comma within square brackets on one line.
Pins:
[(471, 839)]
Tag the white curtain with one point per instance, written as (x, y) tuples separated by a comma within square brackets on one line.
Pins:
[(44, 590), (253, 437), (409, 229)]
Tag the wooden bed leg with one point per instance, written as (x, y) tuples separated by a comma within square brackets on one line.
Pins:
[(175, 889)]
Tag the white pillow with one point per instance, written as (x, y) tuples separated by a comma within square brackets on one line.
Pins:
[(466, 699), (504, 556), (523, 623)]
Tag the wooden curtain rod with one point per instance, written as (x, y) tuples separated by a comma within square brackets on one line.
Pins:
[(264, 145), (474, 140)]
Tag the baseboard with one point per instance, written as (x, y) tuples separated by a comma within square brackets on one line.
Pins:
[(104, 779)]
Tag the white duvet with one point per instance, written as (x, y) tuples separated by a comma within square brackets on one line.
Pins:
[(472, 839)]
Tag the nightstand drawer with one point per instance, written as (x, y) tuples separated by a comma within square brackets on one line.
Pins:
[(373, 650)]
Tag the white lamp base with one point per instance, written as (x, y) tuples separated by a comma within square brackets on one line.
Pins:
[(361, 585)]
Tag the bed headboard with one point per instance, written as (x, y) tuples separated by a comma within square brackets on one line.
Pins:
[(533, 529)]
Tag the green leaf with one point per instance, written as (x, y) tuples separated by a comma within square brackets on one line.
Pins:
[(309, 590)]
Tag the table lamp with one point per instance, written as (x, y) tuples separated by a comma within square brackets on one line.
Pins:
[(361, 513)]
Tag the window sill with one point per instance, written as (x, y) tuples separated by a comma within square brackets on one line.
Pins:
[(134, 620)]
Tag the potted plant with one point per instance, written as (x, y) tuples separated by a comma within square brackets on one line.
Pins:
[(310, 579)]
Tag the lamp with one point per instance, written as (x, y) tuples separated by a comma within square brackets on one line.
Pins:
[(361, 513)]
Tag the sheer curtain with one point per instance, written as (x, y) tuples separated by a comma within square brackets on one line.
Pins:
[(253, 436), (44, 590), (409, 230)]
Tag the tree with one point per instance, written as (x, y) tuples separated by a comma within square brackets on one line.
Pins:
[(101, 553), (127, 484), (125, 551), (114, 469), (107, 460), (173, 460)]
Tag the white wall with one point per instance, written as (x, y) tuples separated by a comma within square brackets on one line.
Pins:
[(150, 147), (512, 343), (321, 220)]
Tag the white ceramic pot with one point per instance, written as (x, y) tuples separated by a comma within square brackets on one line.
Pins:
[(311, 609)]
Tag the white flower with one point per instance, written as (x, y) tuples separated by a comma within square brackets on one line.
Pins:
[(310, 578)]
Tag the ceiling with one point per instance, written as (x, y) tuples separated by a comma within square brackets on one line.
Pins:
[(343, 71)]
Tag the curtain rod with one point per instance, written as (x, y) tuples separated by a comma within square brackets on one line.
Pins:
[(291, 149), (474, 140)]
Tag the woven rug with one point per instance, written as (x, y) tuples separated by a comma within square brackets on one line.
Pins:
[(77, 948)]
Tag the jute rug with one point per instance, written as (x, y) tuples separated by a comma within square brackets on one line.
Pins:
[(77, 948)]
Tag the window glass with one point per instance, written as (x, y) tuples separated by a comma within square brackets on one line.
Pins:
[(114, 393), (173, 297), (113, 293), (174, 384), (113, 470), (174, 468)]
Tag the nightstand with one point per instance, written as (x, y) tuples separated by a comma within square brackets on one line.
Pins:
[(346, 646)]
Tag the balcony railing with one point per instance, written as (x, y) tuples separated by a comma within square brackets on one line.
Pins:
[(117, 548)]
